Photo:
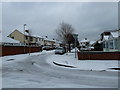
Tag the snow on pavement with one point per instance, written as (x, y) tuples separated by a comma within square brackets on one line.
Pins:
[(11, 61), (70, 60), (20, 57), (18, 71)]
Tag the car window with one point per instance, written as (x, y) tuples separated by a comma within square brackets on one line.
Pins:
[(60, 49)]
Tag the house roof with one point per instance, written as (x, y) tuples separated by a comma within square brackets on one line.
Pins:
[(106, 33), (14, 31), (106, 37), (21, 29), (9, 40), (85, 40), (27, 34), (58, 41), (47, 39), (114, 34), (92, 42), (37, 36)]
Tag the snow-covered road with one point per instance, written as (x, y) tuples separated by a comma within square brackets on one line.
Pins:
[(36, 72)]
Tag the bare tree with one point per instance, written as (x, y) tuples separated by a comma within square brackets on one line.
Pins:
[(65, 33)]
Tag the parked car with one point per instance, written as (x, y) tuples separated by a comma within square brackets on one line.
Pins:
[(47, 48), (59, 50)]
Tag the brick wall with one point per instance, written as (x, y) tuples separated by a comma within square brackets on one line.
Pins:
[(13, 50), (98, 55)]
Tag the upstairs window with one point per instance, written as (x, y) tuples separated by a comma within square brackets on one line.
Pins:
[(31, 38), (26, 37)]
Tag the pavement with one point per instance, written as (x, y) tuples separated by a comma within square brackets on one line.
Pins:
[(69, 61)]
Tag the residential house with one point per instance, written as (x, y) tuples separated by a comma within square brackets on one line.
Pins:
[(49, 42), (17, 35), (111, 40), (57, 43), (39, 40), (97, 45), (84, 44), (26, 38)]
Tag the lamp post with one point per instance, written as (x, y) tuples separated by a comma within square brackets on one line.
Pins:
[(24, 36), (75, 37), (29, 39)]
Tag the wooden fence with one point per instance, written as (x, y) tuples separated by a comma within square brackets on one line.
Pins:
[(13, 50), (94, 55)]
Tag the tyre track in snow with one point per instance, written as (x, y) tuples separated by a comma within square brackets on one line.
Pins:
[(37, 71)]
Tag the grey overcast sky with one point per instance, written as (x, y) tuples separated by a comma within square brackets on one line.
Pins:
[(89, 19)]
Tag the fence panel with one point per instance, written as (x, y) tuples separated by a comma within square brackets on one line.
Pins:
[(13, 50), (98, 55)]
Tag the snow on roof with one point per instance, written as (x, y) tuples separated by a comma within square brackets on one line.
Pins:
[(58, 41), (21, 29), (37, 36), (92, 42), (85, 40), (47, 39), (114, 34), (106, 37), (9, 40)]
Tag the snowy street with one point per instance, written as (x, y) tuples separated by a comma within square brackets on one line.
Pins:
[(37, 71)]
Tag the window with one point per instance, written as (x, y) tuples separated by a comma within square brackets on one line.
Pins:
[(104, 45), (39, 39), (111, 44), (36, 39), (12, 37), (26, 37), (83, 46), (116, 46), (31, 38)]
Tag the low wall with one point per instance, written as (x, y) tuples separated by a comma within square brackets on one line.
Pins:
[(13, 50), (93, 55)]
